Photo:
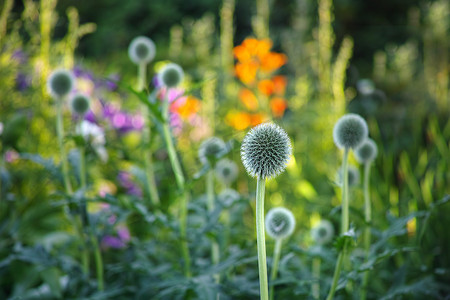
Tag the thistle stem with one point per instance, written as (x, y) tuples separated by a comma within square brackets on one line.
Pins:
[(367, 231), (315, 290), (215, 255), (344, 225), (98, 261), (60, 134), (261, 239), (276, 260), (142, 76), (85, 252)]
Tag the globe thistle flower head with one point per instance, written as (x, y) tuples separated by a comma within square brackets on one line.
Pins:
[(280, 223), (350, 131), (79, 104), (266, 150), (142, 50), (226, 171), (353, 176), (60, 83), (323, 233), (211, 150), (171, 75), (228, 196), (366, 152)]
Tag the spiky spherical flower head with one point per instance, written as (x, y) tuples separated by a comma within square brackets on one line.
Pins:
[(79, 104), (142, 50), (171, 75), (266, 150), (353, 176), (350, 131), (60, 83), (211, 150), (228, 196), (280, 223), (226, 171), (366, 152), (323, 233)]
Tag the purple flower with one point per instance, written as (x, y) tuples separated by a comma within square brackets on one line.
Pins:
[(111, 82), (20, 56), (110, 241), (155, 82), (23, 82), (126, 182), (90, 116), (124, 234)]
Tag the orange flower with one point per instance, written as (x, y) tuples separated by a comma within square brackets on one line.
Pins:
[(238, 120), (272, 61), (258, 118), (246, 72), (266, 87), (278, 106), (279, 83), (190, 106), (251, 48), (248, 99)]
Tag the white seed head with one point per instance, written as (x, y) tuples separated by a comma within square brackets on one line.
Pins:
[(142, 50), (350, 131), (366, 152), (211, 149), (265, 150), (79, 104), (353, 176), (228, 196), (323, 233), (226, 171), (280, 223), (60, 83), (171, 75)]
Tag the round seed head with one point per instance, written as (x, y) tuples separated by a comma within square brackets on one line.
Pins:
[(280, 223), (141, 50), (211, 149), (366, 152), (350, 131), (228, 196), (79, 104), (226, 171), (171, 75), (265, 150), (323, 233), (60, 83), (353, 176)]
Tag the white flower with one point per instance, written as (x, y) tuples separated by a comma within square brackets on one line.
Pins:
[(94, 135)]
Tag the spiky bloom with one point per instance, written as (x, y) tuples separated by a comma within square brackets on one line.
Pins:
[(60, 83), (142, 50), (228, 196), (265, 150), (280, 223), (323, 233), (350, 131), (226, 171), (171, 75), (211, 150), (79, 104), (353, 176), (366, 152)]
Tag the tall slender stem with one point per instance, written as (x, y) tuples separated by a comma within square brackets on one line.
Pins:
[(367, 232), (276, 260), (60, 134), (98, 261), (315, 290), (85, 252), (344, 225), (142, 76), (215, 254), (261, 239), (179, 178)]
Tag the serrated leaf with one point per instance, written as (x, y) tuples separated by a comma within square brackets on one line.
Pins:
[(48, 164)]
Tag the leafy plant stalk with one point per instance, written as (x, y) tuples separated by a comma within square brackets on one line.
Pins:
[(215, 254), (367, 231), (85, 252), (276, 260), (344, 225), (179, 178), (261, 239), (315, 289)]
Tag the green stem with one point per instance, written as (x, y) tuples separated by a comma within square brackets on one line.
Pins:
[(210, 200), (261, 239), (60, 134), (85, 252), (179, 178), (344, 225), (316, 277), (142, 76), (276, 260), (98, 261), (367, 232)]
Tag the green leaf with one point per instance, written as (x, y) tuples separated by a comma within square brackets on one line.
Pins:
[(144, 98)]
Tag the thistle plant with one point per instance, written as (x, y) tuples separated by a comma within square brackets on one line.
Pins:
[(265, 151), (226, 171), (142, 51), (349, 132), (171, 76), (321, 234), (280, 224), (366, 154)]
